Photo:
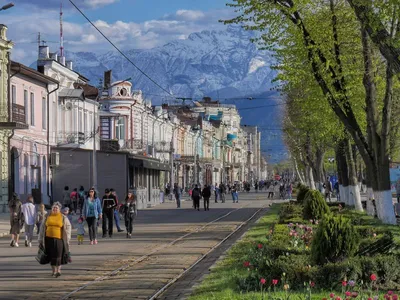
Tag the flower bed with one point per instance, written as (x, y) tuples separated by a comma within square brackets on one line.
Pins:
[(275, 259)]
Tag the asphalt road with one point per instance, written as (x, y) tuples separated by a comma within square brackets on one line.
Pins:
[(166, 241)]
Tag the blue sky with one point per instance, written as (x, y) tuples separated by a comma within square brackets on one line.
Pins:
[(131, 24)]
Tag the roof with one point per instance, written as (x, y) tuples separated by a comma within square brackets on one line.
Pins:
[(32, 73), (90, 91), (72, 93)]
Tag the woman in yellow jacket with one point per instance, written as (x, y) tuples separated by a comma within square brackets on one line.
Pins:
[(54, 236)]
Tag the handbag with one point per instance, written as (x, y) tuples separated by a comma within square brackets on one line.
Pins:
[(41, 256)]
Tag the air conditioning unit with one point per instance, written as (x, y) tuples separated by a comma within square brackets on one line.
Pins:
[(54, 159), (68, 106)]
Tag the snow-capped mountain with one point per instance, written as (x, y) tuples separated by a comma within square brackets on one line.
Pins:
[(204, 63), (220, 64)]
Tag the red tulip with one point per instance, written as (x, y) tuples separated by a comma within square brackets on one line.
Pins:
[(338, 298), (312, 284), (348, 294), (395, 297), (373, 277), (369, 298), (246, 264), (274, 281), (344, 283), (331, 295), (260, 246), (263, 281), (390, 293)]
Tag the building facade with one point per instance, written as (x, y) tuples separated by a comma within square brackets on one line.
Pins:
[(5, 117)]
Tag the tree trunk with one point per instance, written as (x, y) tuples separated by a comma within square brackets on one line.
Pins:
[(297, 171), (354, 189), (319, 164), (310, 177), (343, 172)]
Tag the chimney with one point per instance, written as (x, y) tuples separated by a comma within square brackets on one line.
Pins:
[(43, 52), (107, 79), (3, 32), (61, 60), (54, 56), (69, 64)]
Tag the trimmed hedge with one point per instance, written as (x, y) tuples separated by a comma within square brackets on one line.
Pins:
[(302, 191), (336, 239), (315, 206)]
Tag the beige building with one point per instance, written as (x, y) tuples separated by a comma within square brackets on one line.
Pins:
[(6, 125)]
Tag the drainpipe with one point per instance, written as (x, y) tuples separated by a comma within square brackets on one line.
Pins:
[(9, 119), (131, 121), (48, 139)]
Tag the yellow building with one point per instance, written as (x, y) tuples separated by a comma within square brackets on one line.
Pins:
[(5, 118)]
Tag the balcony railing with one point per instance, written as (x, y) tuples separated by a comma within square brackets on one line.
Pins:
[(18, 113), (109, 145), (70, 137), (134, 144)]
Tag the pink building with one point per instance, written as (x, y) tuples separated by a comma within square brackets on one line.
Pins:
[(31, 93)]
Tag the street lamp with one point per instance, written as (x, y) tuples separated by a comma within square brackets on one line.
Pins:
[(7, 6), (331, 160)]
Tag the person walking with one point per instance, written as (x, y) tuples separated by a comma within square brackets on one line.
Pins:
[(74, 201), (196, 195), (216, 192), (91, 213), (177, 192), (40, 215), (129, 211), (80, 231), (16, 220), (116, 211), (328, 189), (81, 195), (54, 237), (206, 193), (235, 196), (66, 197), (109, 202), (222, 191), (29, 214)]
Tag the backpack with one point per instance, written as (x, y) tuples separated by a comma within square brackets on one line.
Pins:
[(195, 193)]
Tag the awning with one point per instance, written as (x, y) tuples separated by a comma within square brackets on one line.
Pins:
[(149, 164), (72, 94)]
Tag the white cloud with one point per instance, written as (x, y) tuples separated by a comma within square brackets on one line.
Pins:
[(55, 4), (126, 35)]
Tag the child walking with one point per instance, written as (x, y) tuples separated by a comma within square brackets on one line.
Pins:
[(80, 231), (40, 215)]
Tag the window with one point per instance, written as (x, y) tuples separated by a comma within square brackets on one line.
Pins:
[(32, 109), (105, 128), (120, 129), (85, 123), (14, 94), (26, 106), (80, 124), (44, 113)]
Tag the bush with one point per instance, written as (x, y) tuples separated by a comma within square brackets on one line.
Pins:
[(335, 240), (315, 206), (301, 193), (290, 211)]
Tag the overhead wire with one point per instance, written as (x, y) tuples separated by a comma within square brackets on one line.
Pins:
[(120, 51)]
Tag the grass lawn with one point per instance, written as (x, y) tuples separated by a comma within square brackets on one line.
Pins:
[(221, 283)]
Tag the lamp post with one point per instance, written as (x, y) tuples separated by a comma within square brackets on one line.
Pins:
[(331, 160), (7, 6)]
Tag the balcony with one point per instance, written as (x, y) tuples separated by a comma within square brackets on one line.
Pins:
[(18, 120), (70, 137), (109, 145), (162, 146), (134, 144)]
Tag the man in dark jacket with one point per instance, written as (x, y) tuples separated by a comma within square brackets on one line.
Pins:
[(196, 195), (206, 193), (108, 203), (222, 191)]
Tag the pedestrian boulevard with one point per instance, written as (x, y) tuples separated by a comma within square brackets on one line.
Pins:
[(165, 241)]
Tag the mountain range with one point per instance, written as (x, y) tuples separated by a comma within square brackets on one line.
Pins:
[(222, 64)]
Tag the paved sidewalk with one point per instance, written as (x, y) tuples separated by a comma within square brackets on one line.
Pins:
[(154, 230)]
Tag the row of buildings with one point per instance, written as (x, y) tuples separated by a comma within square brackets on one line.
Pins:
[(57, 130)]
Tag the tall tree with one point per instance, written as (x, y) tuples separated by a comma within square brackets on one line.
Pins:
[(330, 54)]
